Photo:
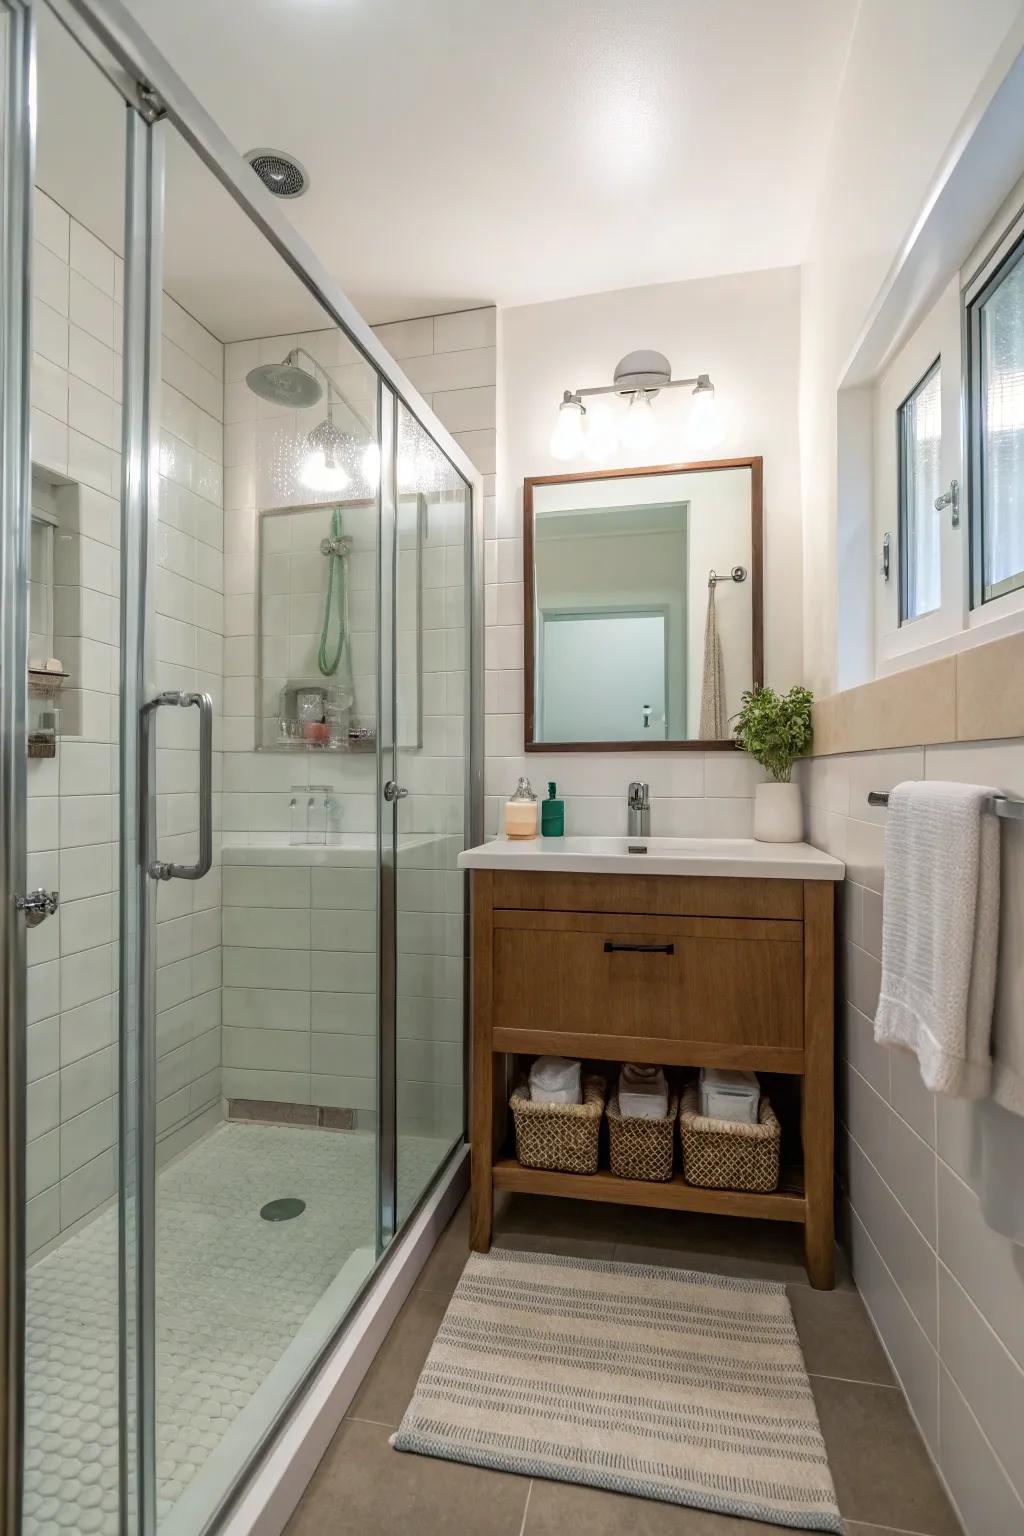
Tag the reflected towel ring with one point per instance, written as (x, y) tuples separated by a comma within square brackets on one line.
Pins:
[(738, 573)]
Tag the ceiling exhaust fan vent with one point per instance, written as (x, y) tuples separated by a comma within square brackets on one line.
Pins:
[(280, 173)]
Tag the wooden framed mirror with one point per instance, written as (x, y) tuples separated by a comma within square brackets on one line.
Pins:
[(643, 605)]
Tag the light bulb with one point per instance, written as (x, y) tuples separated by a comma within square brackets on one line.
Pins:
[(321, 472), (705, 428), (639, 428), (599, 435), (371, 465), (567, 438)]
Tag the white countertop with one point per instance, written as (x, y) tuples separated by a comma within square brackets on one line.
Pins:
[(736, 856)]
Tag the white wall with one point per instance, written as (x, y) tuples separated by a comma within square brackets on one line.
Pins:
[(911, 72), (945, 1292), (744, 332)]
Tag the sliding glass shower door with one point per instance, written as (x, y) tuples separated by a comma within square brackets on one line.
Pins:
[(234, 955), (432, 586)]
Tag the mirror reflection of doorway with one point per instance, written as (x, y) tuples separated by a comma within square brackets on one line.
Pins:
[(603, 675)]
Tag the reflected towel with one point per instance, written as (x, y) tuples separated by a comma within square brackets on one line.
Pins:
[(712, 689), (940, 933)]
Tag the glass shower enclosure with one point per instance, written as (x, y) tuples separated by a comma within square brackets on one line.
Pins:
[(239, 636)]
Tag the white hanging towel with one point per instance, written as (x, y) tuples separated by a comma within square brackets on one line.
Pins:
[(556, 1080), (940, 933), (712, 689), (643, 1092)]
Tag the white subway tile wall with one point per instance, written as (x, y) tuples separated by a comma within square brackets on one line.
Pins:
[(73, 809), (946, 1293)]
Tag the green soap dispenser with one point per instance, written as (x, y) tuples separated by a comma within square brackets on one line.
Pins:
[(552, 814)]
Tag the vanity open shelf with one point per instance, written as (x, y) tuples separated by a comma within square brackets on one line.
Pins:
[(787, 1203), (686, 970)]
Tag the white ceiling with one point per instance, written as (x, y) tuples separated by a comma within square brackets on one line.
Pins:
[(475, 151)]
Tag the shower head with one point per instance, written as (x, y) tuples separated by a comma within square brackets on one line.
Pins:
[(285, 384)]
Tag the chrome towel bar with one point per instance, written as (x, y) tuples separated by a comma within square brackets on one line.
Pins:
[(999, 805)]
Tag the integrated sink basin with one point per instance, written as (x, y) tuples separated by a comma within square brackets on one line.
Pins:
[(741, 857)]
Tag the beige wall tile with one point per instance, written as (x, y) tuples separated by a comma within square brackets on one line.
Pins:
[(990, 690), (830, 733), (976, 695)]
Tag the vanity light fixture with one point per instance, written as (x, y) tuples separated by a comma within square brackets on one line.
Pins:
[(638, 378)]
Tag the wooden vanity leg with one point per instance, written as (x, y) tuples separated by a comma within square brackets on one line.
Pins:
[(817, 1098), (482, 1127)]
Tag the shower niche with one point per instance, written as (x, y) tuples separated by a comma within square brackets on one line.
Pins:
[(316, 625)]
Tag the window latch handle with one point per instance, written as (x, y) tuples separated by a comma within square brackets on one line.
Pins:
[(950, 499)]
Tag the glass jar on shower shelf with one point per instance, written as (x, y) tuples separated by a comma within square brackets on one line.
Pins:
[(310, 717)]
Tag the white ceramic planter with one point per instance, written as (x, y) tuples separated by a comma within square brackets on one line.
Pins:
[(778, 813)]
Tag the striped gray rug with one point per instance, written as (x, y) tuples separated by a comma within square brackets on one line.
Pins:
[(668, 1384)]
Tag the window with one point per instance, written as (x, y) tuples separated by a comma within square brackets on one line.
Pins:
[(995, 330), (916, 452), (919, 444), (948, 426)]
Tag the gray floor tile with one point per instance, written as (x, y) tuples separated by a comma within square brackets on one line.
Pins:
[(364, 1488), (390, 1382), (879, 1464), (836, 1335), (564, 1244), (762, 1250), (555, 1508), (538, 1215), (855, 1528), (442, 1270)]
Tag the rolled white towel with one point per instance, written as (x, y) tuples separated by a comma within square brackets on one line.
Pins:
[(643, 1092), (556, 1080)]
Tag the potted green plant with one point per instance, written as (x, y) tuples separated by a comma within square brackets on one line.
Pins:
[(776, 729)]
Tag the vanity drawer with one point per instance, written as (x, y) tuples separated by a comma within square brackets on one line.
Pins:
[(714, 980), (665, 895)]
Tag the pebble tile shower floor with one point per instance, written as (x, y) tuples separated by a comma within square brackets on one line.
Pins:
[(233, 1292)]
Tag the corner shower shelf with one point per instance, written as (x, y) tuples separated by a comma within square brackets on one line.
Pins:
[(43, 688)]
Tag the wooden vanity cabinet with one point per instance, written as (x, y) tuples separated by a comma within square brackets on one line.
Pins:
[(679, 970)]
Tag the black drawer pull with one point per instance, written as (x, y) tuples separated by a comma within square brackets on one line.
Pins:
[(639, 949)]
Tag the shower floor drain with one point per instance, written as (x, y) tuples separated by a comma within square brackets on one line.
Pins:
[(282, 1210)]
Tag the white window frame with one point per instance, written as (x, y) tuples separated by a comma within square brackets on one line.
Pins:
[(943, 334), (1011, 602), (937, 339)]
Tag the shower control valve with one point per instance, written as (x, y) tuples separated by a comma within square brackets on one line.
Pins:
[(37, 906)]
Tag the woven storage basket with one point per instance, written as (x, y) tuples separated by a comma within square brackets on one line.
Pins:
[(641, 1149), (562, 1137), (721, 1154)]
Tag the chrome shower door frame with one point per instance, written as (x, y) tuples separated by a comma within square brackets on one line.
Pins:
[(138, 697), (18, 170)]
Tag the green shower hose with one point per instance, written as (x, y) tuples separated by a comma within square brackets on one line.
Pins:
[(327, 661)]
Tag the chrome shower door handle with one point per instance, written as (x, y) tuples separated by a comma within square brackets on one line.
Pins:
[(393, 791), (159, 869)]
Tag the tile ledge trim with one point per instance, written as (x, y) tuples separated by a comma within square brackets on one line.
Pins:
[(976, 694)]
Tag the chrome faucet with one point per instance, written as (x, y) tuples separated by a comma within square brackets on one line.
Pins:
[(638, 810)]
